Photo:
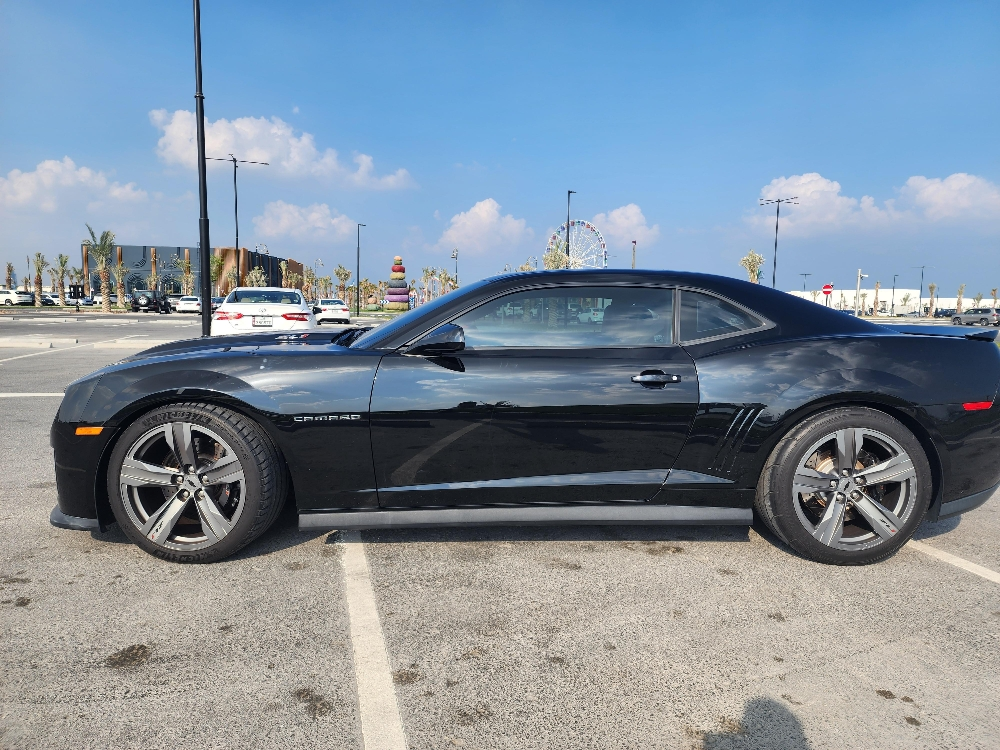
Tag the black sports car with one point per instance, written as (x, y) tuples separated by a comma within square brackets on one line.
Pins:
[(609, 397)]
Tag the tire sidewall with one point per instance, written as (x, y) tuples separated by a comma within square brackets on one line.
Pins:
[(197, 415), (792, 451)]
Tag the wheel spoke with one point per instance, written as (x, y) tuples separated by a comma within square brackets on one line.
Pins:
[(137, 473), (831, 526), (883, 522), (225, 469), (178, 435), (161, 523), (809, 480), (848, 444), (896, 469), (213, 523)]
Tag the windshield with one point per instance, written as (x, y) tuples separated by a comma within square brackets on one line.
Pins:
[(264, 297), (331, 302), (385, 331)]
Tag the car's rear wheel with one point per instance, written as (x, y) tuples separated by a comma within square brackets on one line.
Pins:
[(957, 321), (195, 482), (848, 486), (984, 321)]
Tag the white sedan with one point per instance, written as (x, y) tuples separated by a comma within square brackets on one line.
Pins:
[(188, 304), (333, 310), (260, 309)]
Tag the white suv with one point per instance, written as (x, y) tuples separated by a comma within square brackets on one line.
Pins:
[(14, 297)]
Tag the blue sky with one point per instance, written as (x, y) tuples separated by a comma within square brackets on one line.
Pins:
[(464, 124)]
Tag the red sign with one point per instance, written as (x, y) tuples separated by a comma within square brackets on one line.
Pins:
[(828, 289)]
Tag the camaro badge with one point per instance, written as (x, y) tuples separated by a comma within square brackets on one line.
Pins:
[(326, 418)]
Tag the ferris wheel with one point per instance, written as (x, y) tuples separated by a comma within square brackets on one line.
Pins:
[(587, 248)]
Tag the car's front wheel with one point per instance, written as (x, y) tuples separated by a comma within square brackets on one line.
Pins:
[(848, 486), (195, 482), (956, 321)]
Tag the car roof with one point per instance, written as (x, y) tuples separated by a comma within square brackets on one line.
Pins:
[(793, 316)]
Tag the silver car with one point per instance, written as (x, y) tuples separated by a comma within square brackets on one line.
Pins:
[(984, 316)]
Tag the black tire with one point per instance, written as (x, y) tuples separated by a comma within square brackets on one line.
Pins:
[(783, 511), (262, 493), (956, 321), (984, 322), (8, 303)]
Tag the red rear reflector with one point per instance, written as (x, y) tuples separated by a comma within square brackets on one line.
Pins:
[(296, 316), (977, 405), (228, 316), (89, 430)]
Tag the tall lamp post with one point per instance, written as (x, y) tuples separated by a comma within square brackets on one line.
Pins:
[(206, 246), (454, 256), (920, 294), (357, 281), (236, 201), (777, 202), (892, 307), (568, 194), (857, 292), (804, 277)]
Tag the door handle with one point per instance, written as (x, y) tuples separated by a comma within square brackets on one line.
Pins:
[(655, 378)]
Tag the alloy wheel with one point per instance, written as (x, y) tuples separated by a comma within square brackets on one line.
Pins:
[(854, 489), (183, 486)]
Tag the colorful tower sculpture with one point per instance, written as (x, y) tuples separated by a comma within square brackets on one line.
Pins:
[(399, 290)]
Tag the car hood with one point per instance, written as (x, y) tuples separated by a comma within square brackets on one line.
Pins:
[(270, 338)]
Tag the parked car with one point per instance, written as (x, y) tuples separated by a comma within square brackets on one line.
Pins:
[(944, 312), (697, 399), (984, 316), (333, 310), (188, 305), (98, 298), (10, 297), (590, 315), (48, 300), (173, 299), (255, 309), (150, 300), (216, 301)]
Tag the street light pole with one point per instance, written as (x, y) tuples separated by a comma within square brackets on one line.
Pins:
[(454, 255), (804, 277), (357, 281), (633, 254), (777, 214), (236, 201), (205, 244), (892, 308), (568, 194), (857, 292), (920, 294)]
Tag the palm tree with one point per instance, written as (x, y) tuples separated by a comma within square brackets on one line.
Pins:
[(993, 294), (343, 276), (10, 275), (958, 301), (977, 299), (216, 262), (61, 269), (753, 263), (100, 251), (932, 289), (40, 265), (120, 272), (75, 275), (905, 299), (878, 285), (232, 279)]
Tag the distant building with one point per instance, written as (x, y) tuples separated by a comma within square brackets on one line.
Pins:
[(141, 259)]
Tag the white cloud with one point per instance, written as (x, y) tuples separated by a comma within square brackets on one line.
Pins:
[(921, 201), (626, 224), (53, 181), (483, 228), (273, 141), (282, 219)]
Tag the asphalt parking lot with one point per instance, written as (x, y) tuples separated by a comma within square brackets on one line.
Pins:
[(575, 637)]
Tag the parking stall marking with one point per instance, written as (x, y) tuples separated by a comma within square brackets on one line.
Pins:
[(381, 726), (955, 560), (63, 349), (31, 395)]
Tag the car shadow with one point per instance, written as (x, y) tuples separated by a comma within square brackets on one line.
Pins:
[(766, 724), (930, 529), (558, 533)]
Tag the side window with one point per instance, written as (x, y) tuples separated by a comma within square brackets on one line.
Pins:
[(578, 317), (704, 316)]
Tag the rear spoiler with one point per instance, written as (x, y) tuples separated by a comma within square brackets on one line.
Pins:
[(960, 332)]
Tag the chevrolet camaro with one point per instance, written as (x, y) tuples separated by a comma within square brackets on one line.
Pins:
[(685, 399)]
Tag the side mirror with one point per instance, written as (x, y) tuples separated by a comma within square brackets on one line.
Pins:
[(446, 339)]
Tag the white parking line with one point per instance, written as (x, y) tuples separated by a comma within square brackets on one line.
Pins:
[(381, 727), (61, 349), (955, 560), (31, 395)]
